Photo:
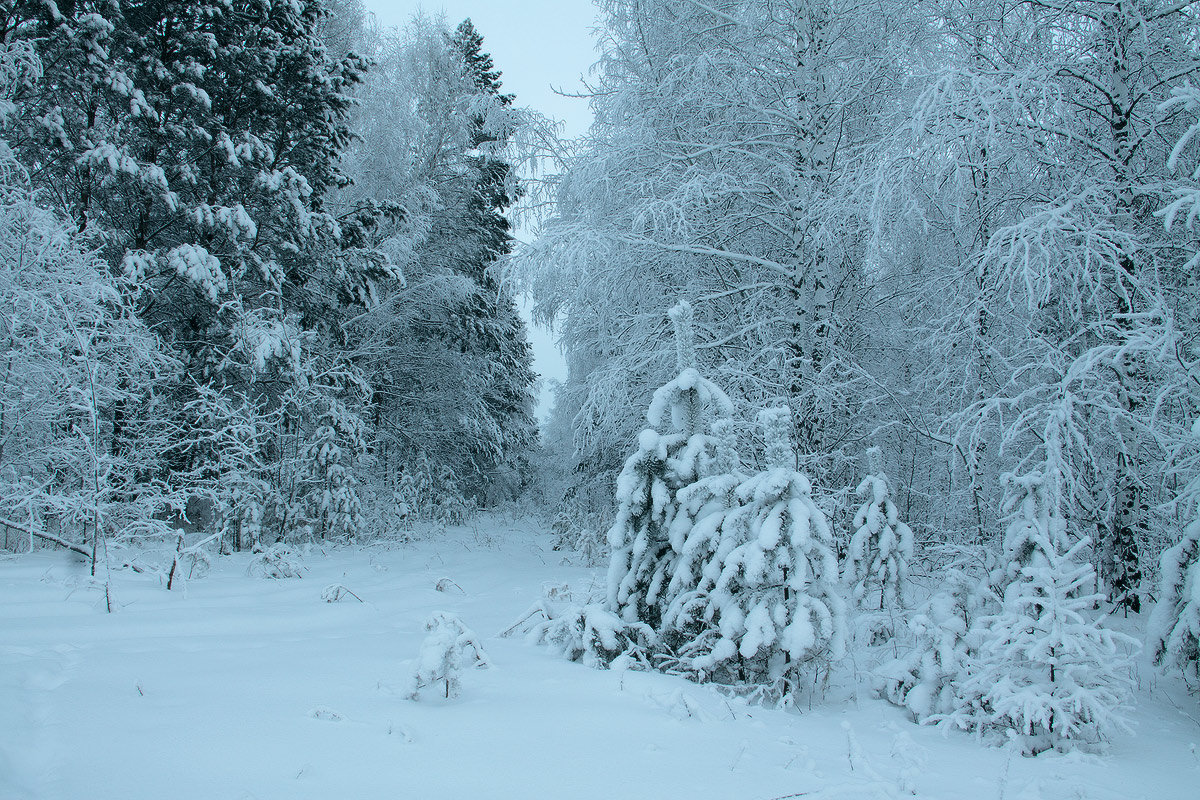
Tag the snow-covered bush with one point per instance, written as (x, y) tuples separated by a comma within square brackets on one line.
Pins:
[(766, 607), (443, 655), (1175, 624), (881, 547), (592, 634), (581, 629), (85, 429), (277, 561), (947, 640), (664, 463), (189, 561), (1045, 669)]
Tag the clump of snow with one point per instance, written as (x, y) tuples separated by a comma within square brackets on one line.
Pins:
[(199, 268)]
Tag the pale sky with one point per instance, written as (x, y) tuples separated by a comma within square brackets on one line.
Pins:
[(538, 46)]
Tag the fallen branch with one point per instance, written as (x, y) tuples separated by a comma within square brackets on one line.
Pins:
[(532, 612), (46, 536), (334, 591)]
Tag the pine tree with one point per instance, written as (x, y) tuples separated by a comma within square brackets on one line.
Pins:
[(195, 143), (446, 355), (695, 531), (336, 444)]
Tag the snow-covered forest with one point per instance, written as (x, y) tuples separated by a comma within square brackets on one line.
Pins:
[(875, 471)]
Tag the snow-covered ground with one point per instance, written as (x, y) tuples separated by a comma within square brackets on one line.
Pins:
[(243, 687)]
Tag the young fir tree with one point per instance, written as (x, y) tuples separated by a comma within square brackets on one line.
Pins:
[(336, 444), (696, 538), (766, 609), (881, 546), (1175, 623), (664, 463), (1046, 670)]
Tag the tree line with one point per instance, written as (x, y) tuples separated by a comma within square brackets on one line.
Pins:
[(249, 277), (961, 233)]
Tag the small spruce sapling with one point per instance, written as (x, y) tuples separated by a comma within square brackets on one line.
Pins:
[(1046, 671), (882, 545), (443, 653), (334, 501), (696, 537), (947, 640)]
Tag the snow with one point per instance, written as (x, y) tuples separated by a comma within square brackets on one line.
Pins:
[(244, 687)]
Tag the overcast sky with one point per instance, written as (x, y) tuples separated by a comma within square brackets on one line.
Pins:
[(540, 46)]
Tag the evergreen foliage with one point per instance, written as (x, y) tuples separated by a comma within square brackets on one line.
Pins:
[(881, 547), (205, 153), (758, 602), (1174, 631), (446, 356), (1045, 669), (648, 486), (947, 641)]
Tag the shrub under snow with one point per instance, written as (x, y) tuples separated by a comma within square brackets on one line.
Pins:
[(443, 653)]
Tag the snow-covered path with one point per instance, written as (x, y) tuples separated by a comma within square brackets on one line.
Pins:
[(240, 687)]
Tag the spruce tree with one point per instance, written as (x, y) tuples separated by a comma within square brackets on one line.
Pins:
[(480, 236), (766, 609), (648, 486), (881, 546), (1175, 623)]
